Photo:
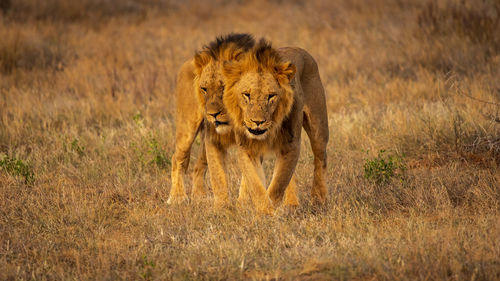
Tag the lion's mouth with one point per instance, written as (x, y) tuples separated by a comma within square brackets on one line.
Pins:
[(219, 123), (257, 132)]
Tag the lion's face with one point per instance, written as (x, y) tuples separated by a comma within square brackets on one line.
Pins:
[(259, 97), (210, 90)]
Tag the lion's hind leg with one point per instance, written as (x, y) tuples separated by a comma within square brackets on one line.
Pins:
[(317, 130), (291, 199)]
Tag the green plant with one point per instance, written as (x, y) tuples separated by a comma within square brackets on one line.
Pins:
[(381, 169), (75, 146), (137, 117), (152, 147), (18, 167), (158, 154), (147, 267)]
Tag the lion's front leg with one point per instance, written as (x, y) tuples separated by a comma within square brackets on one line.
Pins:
[(251, 170), (244, 193), (218, 178), (178, 192), (199, 192), (180, 162), (283, 172)]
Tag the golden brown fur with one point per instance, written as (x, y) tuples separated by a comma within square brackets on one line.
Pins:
[(270, 95), (199, 108)]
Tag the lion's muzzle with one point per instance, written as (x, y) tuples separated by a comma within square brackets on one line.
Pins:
[(257, 132)]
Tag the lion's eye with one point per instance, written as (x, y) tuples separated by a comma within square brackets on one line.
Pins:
[(204, 90), (247, 95), (270, 97)]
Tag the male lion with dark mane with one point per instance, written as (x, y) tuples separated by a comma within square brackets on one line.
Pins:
[(270, 95), (199, 108)]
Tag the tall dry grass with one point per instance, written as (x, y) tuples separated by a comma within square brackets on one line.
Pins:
[(86, 102)]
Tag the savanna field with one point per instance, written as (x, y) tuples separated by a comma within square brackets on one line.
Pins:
[(87, 134)]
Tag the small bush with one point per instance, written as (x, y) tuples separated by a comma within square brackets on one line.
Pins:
[(382, 169), (77, 147), (138, 120), (154, 154), (158, 154), (146, 265), (18, 167)]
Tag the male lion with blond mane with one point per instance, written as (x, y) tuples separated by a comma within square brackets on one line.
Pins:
[(270, 95), (199, 108)]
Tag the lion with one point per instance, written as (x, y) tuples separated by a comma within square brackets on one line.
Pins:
[(269, 96), (199, 108)]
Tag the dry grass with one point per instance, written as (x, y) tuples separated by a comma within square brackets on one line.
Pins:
[(86, 91)]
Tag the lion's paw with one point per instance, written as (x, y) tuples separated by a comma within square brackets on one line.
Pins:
[(244, 201), (222, 203), (199, 196), (266, 208), (266, 211), (177, 199)]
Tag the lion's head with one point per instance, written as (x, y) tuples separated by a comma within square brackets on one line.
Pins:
[(209, 81), (258, 94)]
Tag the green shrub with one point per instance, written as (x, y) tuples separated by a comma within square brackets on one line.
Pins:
[(146, 265), (382, 169), (77, 147), (158, 154), (150, 151), (18, 167)]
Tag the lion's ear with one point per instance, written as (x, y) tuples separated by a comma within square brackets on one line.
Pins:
[(200, 60), (287, 69), (231, 70)]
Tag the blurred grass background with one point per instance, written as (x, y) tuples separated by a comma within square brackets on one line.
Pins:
[(86, 135)]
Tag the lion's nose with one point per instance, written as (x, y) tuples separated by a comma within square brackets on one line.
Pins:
[(215, 114), (258, 122)]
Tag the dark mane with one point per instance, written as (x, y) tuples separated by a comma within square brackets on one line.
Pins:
[(265, 54), (242, 41)]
